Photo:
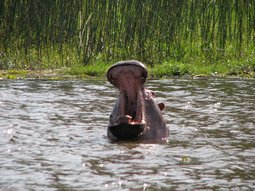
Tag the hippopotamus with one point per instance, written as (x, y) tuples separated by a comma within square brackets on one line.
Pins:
[(135, 115)]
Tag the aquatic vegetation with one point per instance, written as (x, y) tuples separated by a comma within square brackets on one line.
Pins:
[(177, 34)]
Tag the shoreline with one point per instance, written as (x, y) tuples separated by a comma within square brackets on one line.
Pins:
[(71, 73)]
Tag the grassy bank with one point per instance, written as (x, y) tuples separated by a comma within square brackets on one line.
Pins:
[(167, 69)]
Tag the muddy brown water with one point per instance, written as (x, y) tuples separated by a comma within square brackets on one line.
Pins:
[(52, 137)]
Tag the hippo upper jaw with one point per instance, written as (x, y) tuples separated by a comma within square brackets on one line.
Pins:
[(131, 69)]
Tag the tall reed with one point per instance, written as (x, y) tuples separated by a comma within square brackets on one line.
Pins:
[(148, 30)]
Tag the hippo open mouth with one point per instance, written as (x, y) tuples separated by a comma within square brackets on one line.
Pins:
[(127, 121)]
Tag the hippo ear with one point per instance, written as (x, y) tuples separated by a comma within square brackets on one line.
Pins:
[(161, 106)]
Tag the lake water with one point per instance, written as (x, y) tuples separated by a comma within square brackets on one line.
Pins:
[(52, 137)]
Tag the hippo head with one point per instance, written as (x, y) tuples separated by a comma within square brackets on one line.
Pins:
[(135, 110)]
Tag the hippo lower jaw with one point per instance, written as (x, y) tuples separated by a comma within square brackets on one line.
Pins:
[(127, 131), (129, 122)]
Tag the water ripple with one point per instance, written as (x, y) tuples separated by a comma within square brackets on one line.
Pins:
[(52, 137)]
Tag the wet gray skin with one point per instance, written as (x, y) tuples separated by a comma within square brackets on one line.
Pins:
[(135, 114)]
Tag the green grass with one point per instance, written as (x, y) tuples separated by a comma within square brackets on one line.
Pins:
[(52, 39), (243, 68), (67, 64), (51, 34), (91, 70), (170, 68)]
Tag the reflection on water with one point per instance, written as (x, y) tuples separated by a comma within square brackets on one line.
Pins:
[(52, 137)]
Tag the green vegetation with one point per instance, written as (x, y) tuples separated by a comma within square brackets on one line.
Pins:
[(209, 37)]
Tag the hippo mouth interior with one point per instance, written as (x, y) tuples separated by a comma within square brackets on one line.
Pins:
[(129, 122)]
